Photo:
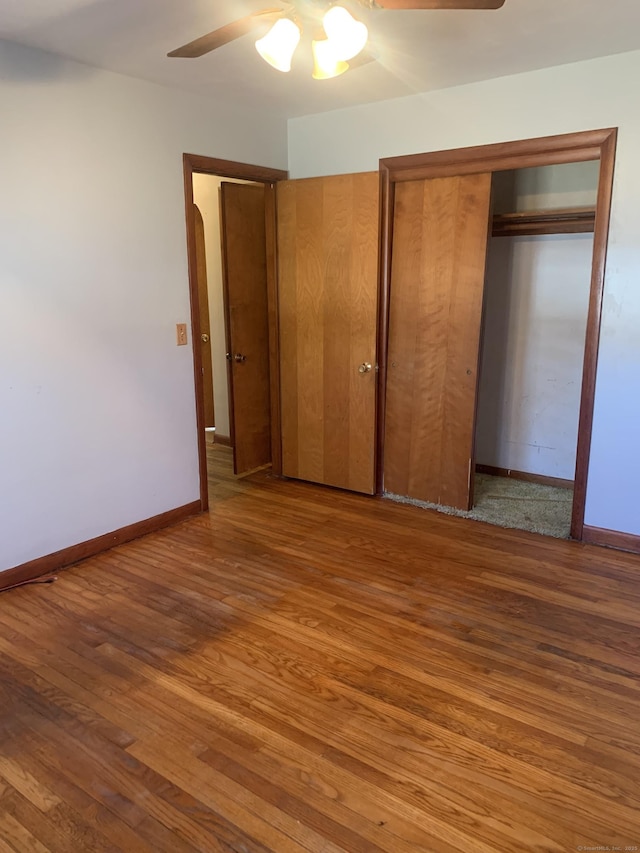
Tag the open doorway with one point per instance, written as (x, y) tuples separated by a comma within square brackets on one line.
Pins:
[(214, 307), (230, 214)]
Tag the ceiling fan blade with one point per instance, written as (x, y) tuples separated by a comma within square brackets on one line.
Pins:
[(223, 35), (363, 58), (440, 4)]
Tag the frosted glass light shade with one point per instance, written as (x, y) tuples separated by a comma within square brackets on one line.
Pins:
[(347, 35), (325, 62), (278, 45)]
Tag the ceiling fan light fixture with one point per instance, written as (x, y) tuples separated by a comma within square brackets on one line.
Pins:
[(347, 35), (325, 62), (279, 44)]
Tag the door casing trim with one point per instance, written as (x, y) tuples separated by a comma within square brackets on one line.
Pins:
[(544, 151), (195, 163)]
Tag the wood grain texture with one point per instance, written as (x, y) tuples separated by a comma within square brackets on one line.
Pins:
[(501, 156), (310, 670), (612, 539), (525, 476), (440, 231), (592, 335), (232, 169), (244, 265), (441, 4), (205, 322), (67, 556), (576, 220), (223, 35), (274, 336), (387, 196), (222, 439), (328, 255), (503, 162)]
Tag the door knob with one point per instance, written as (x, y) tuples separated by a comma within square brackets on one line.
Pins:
[(204, 337), (365, 367), (239, 357)]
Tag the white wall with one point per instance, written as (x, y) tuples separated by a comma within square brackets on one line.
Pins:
[(582, 96), (97, 412), (545, 187)]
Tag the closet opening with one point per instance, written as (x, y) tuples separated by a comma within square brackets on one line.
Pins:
[(536, 305), (491, 282)]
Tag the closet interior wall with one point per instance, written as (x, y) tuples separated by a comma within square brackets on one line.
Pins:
[(535, 314)]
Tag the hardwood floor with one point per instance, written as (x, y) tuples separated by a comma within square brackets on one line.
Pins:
[(309, 670)]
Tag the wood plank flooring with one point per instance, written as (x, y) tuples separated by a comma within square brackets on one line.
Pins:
[(309, 670)]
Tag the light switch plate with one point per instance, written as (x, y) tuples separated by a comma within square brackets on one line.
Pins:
[(181, 334)]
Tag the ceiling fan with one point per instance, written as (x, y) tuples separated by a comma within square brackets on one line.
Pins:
[(339, 46)]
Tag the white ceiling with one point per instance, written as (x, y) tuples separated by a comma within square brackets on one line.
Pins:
[(417, 51)]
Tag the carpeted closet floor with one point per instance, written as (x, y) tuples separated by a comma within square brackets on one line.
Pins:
[(515, 503)]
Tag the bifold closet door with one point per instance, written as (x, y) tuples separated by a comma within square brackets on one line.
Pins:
[(440, 233), (327, 303)]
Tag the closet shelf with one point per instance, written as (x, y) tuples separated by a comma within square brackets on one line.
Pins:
[(567, 220)]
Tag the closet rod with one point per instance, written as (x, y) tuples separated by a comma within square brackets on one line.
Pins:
[(568, 220)]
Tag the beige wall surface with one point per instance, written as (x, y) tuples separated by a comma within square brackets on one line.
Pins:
[(98, 425)]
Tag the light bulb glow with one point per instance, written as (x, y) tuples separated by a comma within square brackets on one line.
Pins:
[(325, 62), (347, 35), (279, 44)]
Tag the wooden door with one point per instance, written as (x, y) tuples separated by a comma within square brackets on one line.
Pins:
[(440, 234), (327, 289), (242, 216), (205, 323)]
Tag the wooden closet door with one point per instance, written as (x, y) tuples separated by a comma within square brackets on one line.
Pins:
[(440, 233), (327, 277)]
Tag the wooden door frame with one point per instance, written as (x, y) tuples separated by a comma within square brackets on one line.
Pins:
[(544, 151), (195, 163)]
